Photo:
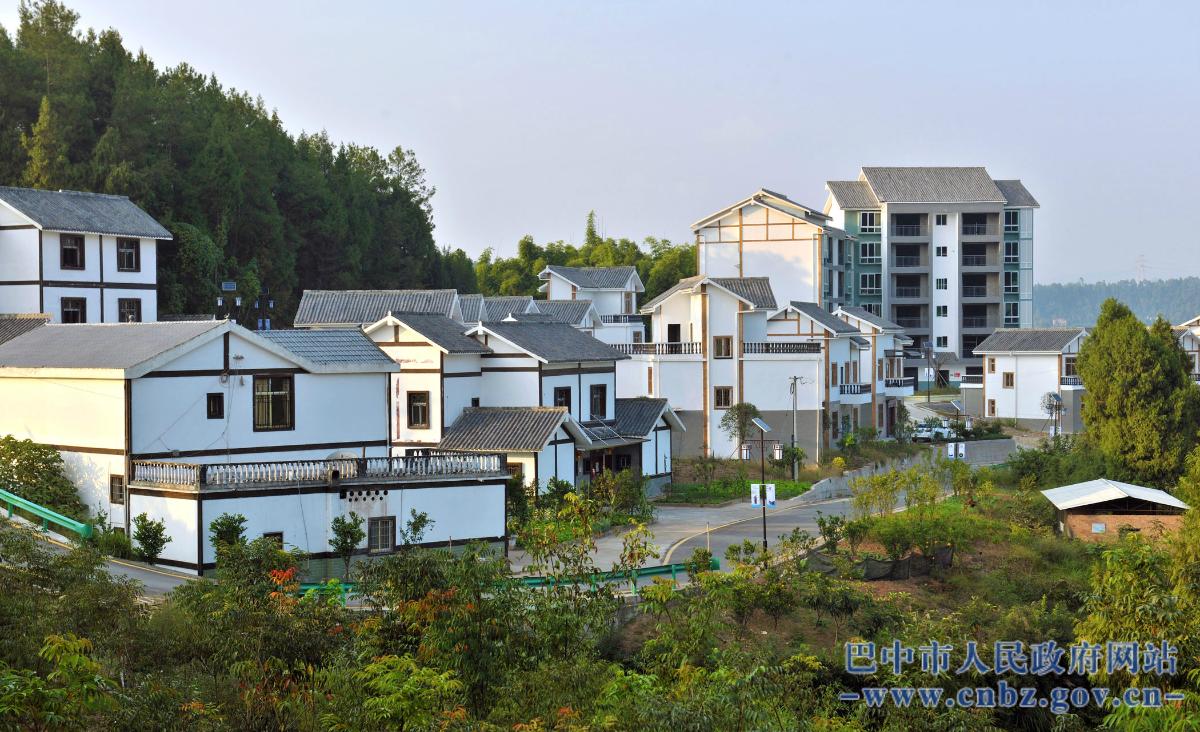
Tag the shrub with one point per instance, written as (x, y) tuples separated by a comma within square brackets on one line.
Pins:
[(150, 536), (36, 473), (895, 535), (227, 529), (113, 543), (832, 529)]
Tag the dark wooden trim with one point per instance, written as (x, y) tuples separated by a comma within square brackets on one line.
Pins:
[(185, 494), (225, 351), (461, 374), (128, 450), (505, 355), (666, 428), (42, 277), (252, 450), (442, 392), (419, 371), (580, 370), (14, 227), (180, 565), (83, 284), (404, 344), (19, 283), (200, 532), (565, 441), (502, 369), (413, 443), (88, 450), (218, 372), (102, 280)]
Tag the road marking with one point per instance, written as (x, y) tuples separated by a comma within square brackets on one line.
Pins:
[(673, 547)]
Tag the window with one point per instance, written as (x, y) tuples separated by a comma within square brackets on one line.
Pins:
[(723, 347), (418, 410), (868, 222), (1098, 527), (868, 252), (637, 336), (129, 310), (943, 342), (869, 283), (941, 251), (623, 462), (833, 375), (216, 405), (1012, 252), (1009, 379), (70, 251), (628, 303), (649, 380), (129, 255), (1012, 315), (74, 310), (1069, 366), (991, 364), (673, 333), (942, 311), (116, 489), (474, 401), (562, 396), (942, 283), (381, 534), (274, 403), (516, 470), (939, 220), (991, 408), (1012, 222), (1012, 282), (722, 397), (872, 308), (598, 401), (275, 536)]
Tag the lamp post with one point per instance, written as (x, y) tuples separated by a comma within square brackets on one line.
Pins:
[(777, 453)]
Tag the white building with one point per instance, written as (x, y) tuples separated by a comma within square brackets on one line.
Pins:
[(1024, 372), (612, 290), (1189, 340), (78, 257), (185, 421)]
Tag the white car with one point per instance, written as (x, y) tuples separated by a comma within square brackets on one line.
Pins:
[(933, 433)]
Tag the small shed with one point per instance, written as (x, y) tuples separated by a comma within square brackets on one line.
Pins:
[(1099, 510)]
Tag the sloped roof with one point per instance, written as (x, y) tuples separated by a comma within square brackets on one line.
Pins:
[(1016, 194), (595, 278), (445, 333), (1028, 340), (337, 349), (554, 342), (500, 307), (16, 324), (825, 318), (360, 307), (754, 290), (1102, 490), (472, 307), (503, 429), (637, 417), (99, 345), (770, 199), (572, 312), (863, 314), (84, 213), (852, 194), (933, 185)]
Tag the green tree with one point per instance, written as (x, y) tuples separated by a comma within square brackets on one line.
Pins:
[(737, 422), (150, 536), (226, 530), (1142, 409), (36, 473), (47, 150), (347, 535)]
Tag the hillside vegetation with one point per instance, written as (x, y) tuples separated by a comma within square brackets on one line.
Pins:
[(1077, 303)]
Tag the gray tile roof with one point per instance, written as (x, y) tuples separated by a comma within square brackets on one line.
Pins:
[(824, 317), (503, 429), (598, 278), (500, 307), (360, 307), (471, 306), (933, 185), (863, 314), (1017, 194), (342, 349), (756, 290), (555, 342), (571, 312), (637, 417), (99, 345), (77, 211), (444, 332), (1028, 340), (852, 194), (18, 324)]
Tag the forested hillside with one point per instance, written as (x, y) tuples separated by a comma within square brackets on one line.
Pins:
[(1077, 303)]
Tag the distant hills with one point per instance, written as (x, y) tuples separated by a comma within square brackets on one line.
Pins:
[(1077, 303)]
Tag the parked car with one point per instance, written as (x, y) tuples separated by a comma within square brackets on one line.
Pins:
[(934, 432)]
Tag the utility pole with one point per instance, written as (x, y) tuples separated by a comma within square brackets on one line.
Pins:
[(795, 463)]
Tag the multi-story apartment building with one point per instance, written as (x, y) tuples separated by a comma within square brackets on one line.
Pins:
[(612, 290), (78, 257), (799, 248), (946, 253)]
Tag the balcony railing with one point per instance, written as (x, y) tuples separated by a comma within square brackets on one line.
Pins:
[(907, 291), (977, 229), (909, 230), (906, 260), (969, 379), (974, 260), (902, 382), (851, 389), (195, 476), (781, 347), (910, 322), (1072, 381), (975, 321), (621, 318), (974, 291), (687, 348)]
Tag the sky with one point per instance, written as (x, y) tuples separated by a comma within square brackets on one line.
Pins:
[(528, 115)]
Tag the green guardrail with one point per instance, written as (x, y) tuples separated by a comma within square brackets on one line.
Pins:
[(46, 515)]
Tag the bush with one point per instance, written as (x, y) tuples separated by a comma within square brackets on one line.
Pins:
[(113, 543), (36, 473), (895, 535), (150, 536)]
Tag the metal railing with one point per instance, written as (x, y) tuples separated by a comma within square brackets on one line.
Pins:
[(48, 517), (971, 379), (686, 348), (977, 229), (907, 291), (906, 260), (621, 318), (910, 322), (851, 389), (909, 230), (975, 321), (902, 382), (974, 260), (1071, 381), (198, 476), (974, 291), (781, 347)]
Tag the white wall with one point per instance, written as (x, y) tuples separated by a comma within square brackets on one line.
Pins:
[(945, 267), (502, 386), (581, 389), (774, 245)]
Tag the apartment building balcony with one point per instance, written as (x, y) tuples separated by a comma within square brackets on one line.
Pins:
[(979, 257), (909, 227), (909, 287), (971, 381), (983, 318), (621, 318), (979, 288), (780, 347), (910, 322), (685, 348), (349, 472), (980, 226), (1075, 381), (854, 393), (900, 387)]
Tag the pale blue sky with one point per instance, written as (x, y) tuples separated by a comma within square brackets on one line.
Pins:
[(527, 115)]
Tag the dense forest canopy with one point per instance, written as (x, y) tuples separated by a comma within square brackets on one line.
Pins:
[(245, 200), (1077, 303)]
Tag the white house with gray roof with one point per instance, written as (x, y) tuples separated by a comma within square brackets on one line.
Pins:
[(353, 308), (78, 257), (944, 252), (187, 420), (612, 290), (1029, 375)]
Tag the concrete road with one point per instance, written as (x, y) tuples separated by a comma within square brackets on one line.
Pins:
[(156, 582)]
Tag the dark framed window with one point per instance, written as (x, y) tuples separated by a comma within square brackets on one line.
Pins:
[(722, 397), (623, 462), (70, 251), (418, 410), (275, 536), (74, 310), (516, 470), (274, 403), (939, 220), (381, 534), (722, 346), (216, 405), (672, 332), (562, 396), (116, 489), (129, 310), (1012, 221), (474, 401), (1009, 379), (129, 255), (599, 401)]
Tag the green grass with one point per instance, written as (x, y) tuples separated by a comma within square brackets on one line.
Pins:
[(723, 491)]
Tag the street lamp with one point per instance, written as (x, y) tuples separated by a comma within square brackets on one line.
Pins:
[(763, 429)]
